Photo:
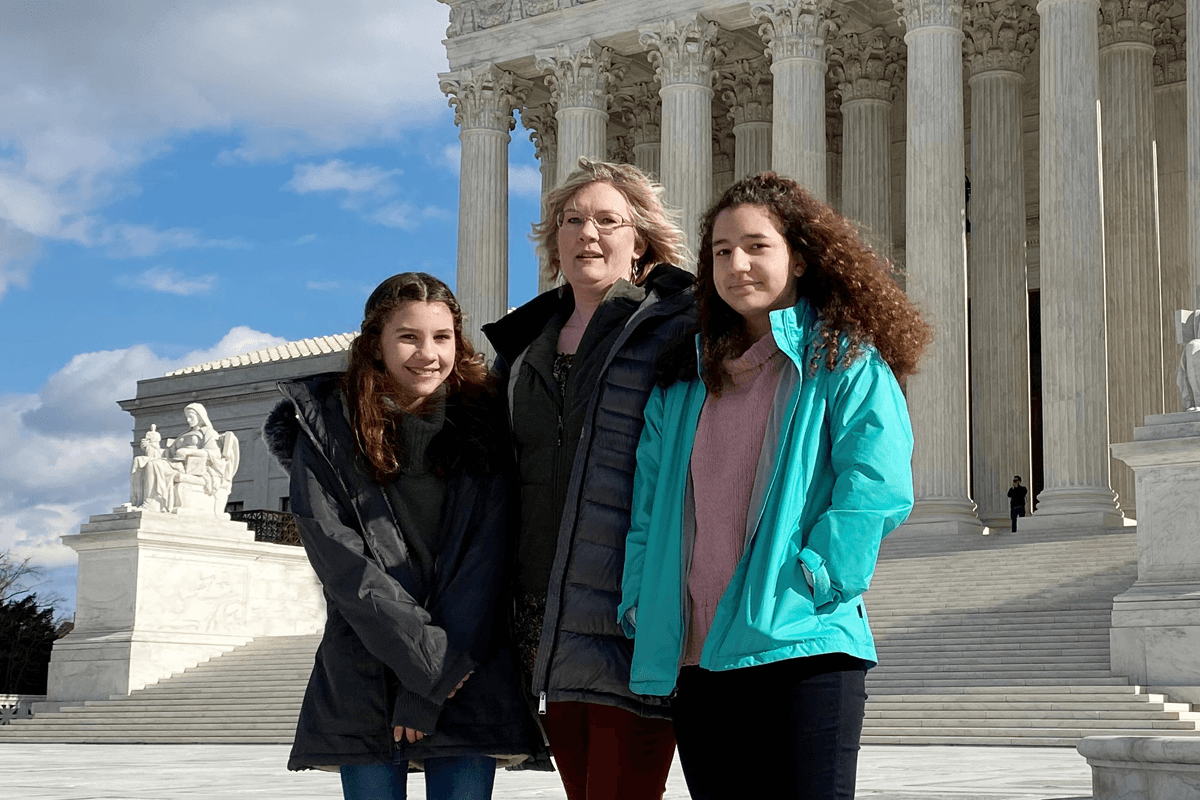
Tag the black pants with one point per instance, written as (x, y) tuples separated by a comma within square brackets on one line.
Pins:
[(789, 729), (1014, 512)]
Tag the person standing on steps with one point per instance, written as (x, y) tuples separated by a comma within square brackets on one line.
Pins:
[(1016, 501)]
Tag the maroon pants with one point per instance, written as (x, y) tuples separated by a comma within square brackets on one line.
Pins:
[(607, 753)]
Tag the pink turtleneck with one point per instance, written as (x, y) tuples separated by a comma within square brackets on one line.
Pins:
[(729, 438)]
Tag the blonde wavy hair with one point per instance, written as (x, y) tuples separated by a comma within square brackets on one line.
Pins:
[(656, 226)]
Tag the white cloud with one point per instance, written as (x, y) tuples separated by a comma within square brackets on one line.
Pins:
[(323, 286), (524, 180), (125, 240), (172, 281), (66, 448), (366, 190), (307, 238), (79, 115)]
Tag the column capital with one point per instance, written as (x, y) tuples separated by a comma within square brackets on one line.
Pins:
[(998, 36), (1130, 21), (1170, 54), (580, 73), (640, 108), (867, 65), (484, 97), (723, 144), (797, 28), (543, 130), (683, 51), (917, 14), (745, 86)]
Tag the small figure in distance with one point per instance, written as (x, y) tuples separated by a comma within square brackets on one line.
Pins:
[(1016, 501)]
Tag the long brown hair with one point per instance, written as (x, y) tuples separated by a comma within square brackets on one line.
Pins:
[(367, 383), (846, 282)]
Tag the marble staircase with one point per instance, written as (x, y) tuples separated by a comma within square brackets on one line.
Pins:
[(1000, 640)]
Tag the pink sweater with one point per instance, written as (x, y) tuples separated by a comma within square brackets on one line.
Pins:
[(729, 438)]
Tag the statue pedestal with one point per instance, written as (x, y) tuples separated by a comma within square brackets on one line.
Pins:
[(1155, 635), (158, 593)]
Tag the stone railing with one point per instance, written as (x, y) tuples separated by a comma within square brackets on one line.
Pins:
[(17, 706), (273, 527), (1143, 767)]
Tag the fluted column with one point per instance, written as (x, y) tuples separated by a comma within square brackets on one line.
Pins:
[(867, 68), (1074, 396), (579, 76), (795, 33), (483, 99), (937, 268), (999, 43), (683, 53), (1170, 126), (1131, 262), (543, 132), (640, 108), (746, 89), (1193, 137)]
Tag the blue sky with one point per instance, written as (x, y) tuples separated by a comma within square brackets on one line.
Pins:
[(183, 181)]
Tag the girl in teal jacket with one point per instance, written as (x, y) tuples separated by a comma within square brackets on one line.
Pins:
[(774, 458)]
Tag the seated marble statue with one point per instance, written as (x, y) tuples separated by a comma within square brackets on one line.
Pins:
[(191, 475), (1187, 374)]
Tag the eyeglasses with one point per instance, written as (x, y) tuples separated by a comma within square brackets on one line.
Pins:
[(605, 221)]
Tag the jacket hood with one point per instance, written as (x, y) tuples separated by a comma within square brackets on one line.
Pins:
[(303, 398), (513, 332)]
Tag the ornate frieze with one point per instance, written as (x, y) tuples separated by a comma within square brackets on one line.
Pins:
[(543, 130), (1170, 54), (723, 147), (745, 86), (797, 28), (867, 65), (833, 125), (468, 16), (640, 108), (1130, 20), (683, 51), (484, 96), (580, 74), (929, 13), (620, 149), (998, 36)]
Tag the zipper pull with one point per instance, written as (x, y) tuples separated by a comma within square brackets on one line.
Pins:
[(541, 702), (560, 430)]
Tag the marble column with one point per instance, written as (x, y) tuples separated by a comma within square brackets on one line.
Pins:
[(1074, 393), (998, 45), (1170, 125), (683, 53), (937, 263), (580, 75), (483, 99), (1193, 138), (640, 108), (867, 68), (795, 33), (723, 154), (543, 132), (746, 90), (1133, 289)]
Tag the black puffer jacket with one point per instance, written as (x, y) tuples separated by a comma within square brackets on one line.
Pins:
[(583, 655), (392, 652)]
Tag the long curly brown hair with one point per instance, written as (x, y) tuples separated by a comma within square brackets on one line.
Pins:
[(367, 384), (846, 282)]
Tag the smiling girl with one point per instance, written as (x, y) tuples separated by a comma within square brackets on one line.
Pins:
[(398, 486), (782, 443)]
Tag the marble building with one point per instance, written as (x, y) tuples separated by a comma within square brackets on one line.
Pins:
[(1032, 168)]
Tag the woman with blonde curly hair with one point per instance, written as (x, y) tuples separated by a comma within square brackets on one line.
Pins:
[(775, 456), (578, 362)]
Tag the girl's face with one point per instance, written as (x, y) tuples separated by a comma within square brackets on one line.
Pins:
[(753, 267), (417, 347)]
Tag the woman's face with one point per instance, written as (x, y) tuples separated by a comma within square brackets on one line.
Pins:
[(417, 347), (193, 419), (592, 261), (753, 267)]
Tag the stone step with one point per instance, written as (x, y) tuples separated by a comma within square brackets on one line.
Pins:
[(1040, 714)]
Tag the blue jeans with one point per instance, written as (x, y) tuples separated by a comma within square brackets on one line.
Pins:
[(788, 729), (449, 778)]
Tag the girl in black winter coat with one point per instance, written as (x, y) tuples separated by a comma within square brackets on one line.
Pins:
[(399, 489)]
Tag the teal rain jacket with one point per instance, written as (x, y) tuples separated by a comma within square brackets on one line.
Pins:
[(833, 479)]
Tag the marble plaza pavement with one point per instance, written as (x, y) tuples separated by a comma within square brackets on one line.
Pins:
[(199, 772)]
